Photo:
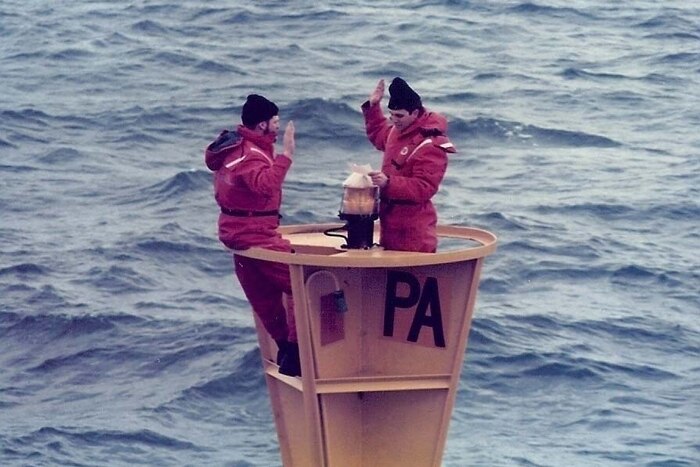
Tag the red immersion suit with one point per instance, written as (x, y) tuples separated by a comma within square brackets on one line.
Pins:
[(248, 187), (415, 161)]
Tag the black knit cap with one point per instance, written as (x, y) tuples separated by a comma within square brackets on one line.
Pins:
[(257, 109), (402, 97)]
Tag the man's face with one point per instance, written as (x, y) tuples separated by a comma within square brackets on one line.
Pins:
[(402, 119), (273, 125)]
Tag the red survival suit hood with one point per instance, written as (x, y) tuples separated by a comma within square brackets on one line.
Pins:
[(220, 148), (430, 124)]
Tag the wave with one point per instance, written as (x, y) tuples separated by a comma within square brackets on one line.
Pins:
[(241, 17), (640, 274), (70, 445), (512, 374), (551, 248), (92, 348), (6, 144), (47, 296), (571, 73), (499, 221), (27, 56), (207, 12), (654, 332), (667, 21), (47, 327), (61, 156), (502, 357), (674, 36), (486, 334), (614, 211), (136, 138), (553, 272), (462, 97), (28, 126), (327, 122), (175, 59), (690, 59), (150, 27), (75, 436), (584, 263), (167, 247), (495, 286), (529, 8), (117, 280), (654, 78), (218, 67), (23, 270), (169, 191), (625, 97), (156, 120), (338, 125), (514, 133), (25, 118), (605, 211), (141, 261), (245, 381), (70, 54), (86, 362)]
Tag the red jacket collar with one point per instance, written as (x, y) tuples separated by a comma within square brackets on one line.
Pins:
[(265, 141)]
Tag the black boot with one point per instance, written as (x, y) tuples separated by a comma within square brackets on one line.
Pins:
[(290, 364), (282, 346)]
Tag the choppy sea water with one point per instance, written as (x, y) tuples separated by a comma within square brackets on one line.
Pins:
[(124, 338)]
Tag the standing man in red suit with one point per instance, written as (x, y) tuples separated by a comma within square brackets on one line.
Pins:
[(248, 177), (415, 145)]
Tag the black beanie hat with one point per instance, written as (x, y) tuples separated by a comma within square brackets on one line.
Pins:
[(257, 109), (402, 96)]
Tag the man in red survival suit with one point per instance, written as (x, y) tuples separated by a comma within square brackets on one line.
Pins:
[(248, 178), (415, 145)]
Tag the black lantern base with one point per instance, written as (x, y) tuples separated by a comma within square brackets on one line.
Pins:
[(360, 228)]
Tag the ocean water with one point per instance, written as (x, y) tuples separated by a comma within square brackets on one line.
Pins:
[(124, 337)]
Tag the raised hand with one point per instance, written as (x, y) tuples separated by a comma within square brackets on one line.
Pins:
[(377, 94), (288, 140)]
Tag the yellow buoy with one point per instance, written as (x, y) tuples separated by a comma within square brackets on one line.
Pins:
[(382, 337)]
